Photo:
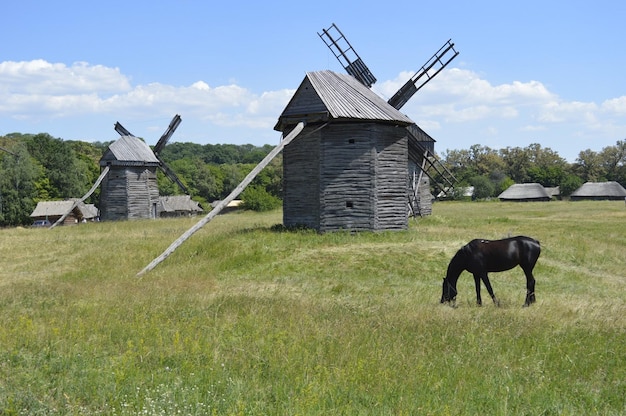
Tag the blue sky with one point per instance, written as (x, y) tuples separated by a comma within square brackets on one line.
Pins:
[(528, 72)]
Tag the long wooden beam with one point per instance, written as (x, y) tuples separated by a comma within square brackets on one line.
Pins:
[(246, 181), (75, 204)]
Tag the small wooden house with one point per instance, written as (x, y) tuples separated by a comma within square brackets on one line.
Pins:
[(354, 165), (129, 190), (53, 210), (178, 206)]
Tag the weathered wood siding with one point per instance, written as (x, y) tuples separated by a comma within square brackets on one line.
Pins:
[(301, 181), (391, 178), (347, 176), (129, 193), (307, 101)]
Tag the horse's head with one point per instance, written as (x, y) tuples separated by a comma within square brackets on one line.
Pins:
[(448, 292)]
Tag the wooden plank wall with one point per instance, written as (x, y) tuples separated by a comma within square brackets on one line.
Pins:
[(301, 186), (113, 196), (128, 193), (143, 192), (391, 178), (347, 178)]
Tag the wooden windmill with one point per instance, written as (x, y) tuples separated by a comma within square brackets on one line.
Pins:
[(422, 159), (128, 176), (130, 190), (161, 143), (359, 171)]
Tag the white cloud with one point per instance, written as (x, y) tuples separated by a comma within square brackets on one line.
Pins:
[(458, 103), (39, 89), (615, 105), (41, 77)]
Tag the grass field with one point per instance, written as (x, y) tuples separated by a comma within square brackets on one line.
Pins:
[(248, 319)]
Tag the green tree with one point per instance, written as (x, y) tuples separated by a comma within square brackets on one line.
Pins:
[(517, 161), (613, 161), (68, 178), (589, 166), (18, 175), (569, 184), (483, 187)]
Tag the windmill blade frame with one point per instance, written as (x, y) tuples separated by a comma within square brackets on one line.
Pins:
[(167, 134), (437, 62), (171, 175), (122, 130), (346, 55)]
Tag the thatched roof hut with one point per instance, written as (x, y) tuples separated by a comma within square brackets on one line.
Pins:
[(178, 206), (53, 210), (599, 191), (554, 191), (354, 173), (525, 192)]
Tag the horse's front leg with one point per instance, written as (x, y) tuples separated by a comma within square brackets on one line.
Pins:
[(479, 300), (487, 283)]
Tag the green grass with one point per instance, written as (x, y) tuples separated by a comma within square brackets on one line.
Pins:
[(245, 318)]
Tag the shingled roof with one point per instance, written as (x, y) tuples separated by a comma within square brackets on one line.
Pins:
[(599, 190), (179, 203), (325, 95), (52, 209), (525, 192), (129, 150)]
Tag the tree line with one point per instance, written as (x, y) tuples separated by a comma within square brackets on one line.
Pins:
[(41, 167), (492, 171)]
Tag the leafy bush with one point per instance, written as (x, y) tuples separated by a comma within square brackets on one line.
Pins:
[(569, 184), (256, 198), (483, 187)]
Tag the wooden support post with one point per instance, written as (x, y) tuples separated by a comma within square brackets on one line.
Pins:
[(75, 204), (294, 133)]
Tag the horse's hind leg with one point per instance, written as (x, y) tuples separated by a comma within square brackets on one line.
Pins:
[(530, 286), (487, 283)]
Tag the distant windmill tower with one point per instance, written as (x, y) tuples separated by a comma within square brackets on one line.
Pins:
[(128, 178), (130, 190), (363, 162)]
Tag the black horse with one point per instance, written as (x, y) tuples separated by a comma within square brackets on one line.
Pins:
[(480, 257)]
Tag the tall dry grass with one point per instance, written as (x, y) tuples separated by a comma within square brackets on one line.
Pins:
[(246, 318)]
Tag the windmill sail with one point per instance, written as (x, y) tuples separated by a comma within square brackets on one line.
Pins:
[(121, 130), (432, 67), (347, 56), (168, 133), (171, 175), (161, 144)]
